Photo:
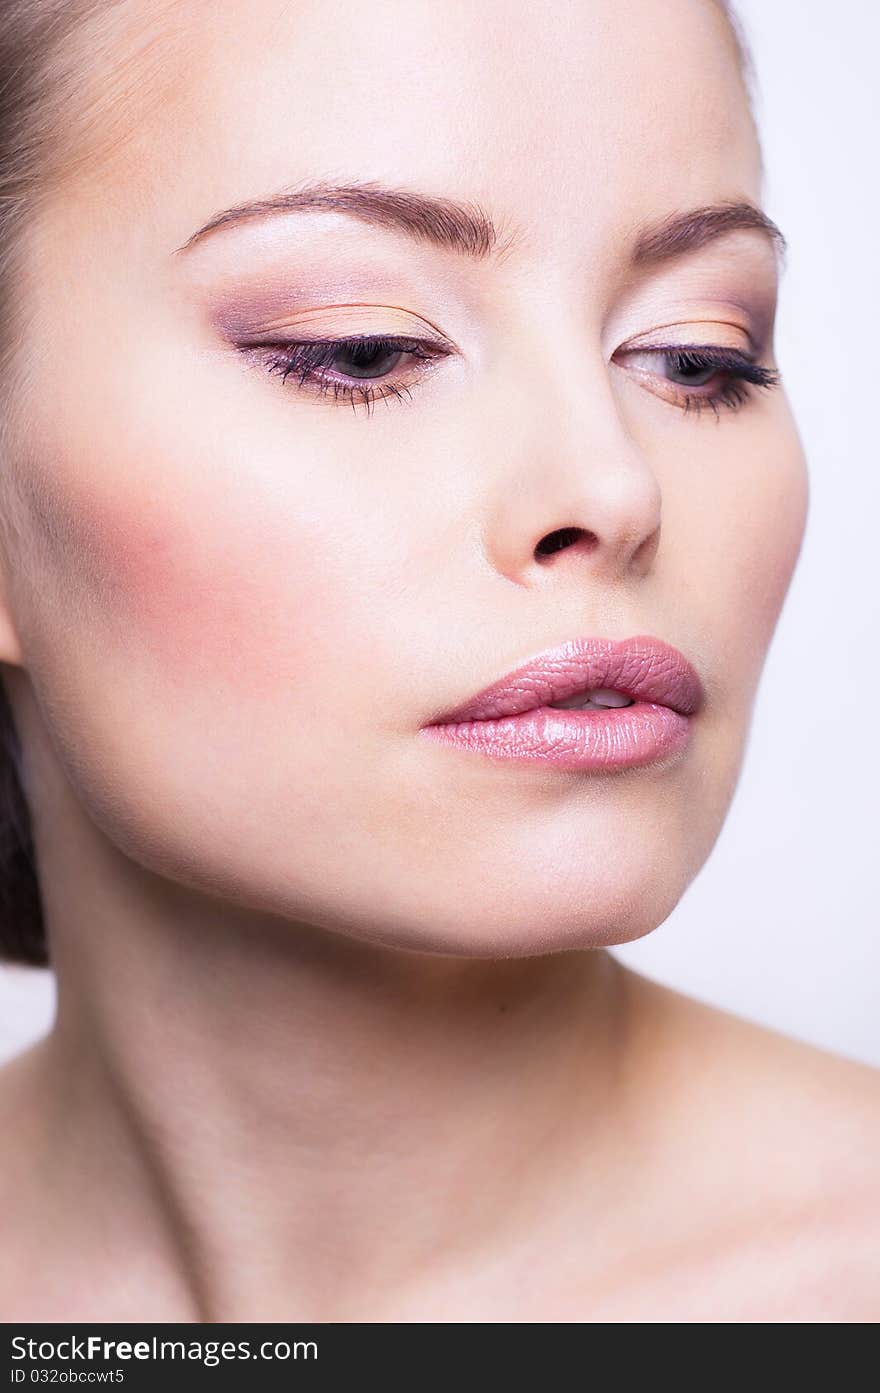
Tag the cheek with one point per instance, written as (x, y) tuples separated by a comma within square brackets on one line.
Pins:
[(746, 559), (771, 536), (208, 587), (204, 592)]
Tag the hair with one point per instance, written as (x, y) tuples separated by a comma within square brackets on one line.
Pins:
[(30, 33), (33, 89)]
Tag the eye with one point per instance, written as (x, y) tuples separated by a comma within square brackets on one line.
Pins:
[(361, 369), (689, 369), (696, 376)]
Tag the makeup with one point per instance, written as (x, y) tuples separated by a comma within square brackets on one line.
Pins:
[(520, 718)]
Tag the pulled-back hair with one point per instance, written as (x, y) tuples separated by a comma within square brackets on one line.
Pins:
[(32, 33)]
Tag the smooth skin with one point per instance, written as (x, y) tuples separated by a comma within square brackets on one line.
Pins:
[(338, 1035)]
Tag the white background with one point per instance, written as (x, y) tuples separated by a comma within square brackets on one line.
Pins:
[(781, 925)]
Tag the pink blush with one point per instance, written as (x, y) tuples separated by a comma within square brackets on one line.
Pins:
[(211, 594)]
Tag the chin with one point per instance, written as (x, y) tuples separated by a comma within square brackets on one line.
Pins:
[(543, 919)]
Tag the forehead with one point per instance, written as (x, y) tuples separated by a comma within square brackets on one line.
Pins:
[(572, 117)]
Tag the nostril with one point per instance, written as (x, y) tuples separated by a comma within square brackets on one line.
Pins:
[(556, 541)]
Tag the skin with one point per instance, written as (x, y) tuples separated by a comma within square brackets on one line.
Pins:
[(338, 1036)]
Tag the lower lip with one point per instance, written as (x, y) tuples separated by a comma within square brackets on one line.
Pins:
[(620, 738)]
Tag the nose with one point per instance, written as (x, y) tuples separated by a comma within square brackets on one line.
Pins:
[(574, 493)]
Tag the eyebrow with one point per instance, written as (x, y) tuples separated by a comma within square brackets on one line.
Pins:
[(469, 230), (685, 232)]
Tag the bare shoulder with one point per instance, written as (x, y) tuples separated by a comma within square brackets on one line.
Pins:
[(781, 1082), (20, 1131), (781, 1156), (16, 1088)]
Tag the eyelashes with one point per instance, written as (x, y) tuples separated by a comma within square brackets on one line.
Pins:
[(698, 364), (375, 358), (366, 369)]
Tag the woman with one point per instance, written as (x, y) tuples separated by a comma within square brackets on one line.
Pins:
[(399, 498)]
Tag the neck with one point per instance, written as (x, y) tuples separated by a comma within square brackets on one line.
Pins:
[(302, 1127)]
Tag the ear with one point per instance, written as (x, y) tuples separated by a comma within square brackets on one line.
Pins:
[(10, 532), (10, 648)]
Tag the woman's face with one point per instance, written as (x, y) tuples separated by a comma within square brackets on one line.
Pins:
[(240, 597)]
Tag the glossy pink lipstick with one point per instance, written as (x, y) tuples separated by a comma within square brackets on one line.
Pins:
[(515, 718)]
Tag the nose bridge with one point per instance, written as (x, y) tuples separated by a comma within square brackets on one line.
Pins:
[(572, 486)]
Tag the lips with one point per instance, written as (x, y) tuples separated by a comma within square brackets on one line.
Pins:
[(643, 668)]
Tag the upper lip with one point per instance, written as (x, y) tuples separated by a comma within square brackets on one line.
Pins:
[(644, 668)]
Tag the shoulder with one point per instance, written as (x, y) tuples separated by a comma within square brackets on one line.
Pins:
[(754, 1072), (23, 1138), (776, 1144)]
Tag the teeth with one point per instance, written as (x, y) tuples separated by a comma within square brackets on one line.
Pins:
[(598, 700)]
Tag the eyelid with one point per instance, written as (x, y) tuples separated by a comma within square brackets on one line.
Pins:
[(720, 353), (346, 321), (703, 332)]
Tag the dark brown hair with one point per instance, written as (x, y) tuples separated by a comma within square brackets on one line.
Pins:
[(32, 32), (32, 92)]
